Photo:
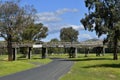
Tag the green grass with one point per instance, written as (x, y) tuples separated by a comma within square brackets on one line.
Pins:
[(10, 67), (94, 68), (13, 67), (84, 68)]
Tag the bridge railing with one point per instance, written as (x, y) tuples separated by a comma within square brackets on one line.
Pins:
[(56, 44), (16, 44)]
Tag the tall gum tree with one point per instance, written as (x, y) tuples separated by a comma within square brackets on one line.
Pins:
[(13, 19), (34, 32), (69, 34), (103, 17)]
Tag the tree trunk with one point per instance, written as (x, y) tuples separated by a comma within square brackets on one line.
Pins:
[(14, 54), (29, 52), (9, 47), (115, 56), (43, 53)]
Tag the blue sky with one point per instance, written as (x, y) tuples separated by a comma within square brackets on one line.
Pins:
[(56, 14)]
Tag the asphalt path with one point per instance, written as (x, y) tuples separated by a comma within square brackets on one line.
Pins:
[(51, 71)]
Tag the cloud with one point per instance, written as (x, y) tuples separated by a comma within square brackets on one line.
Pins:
[(85, 36), (54, 28), (64, 10), (47, 17), (53, 16)]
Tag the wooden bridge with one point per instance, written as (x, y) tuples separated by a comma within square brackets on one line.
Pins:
[(45, 45), (55, 44)]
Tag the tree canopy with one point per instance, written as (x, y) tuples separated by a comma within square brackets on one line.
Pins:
[(104, 18), (69, 34), (14, 19), (34, 32), (54, 40)]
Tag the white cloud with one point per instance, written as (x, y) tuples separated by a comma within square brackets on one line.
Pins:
[(53, 16), (49, 19), (46, 14), (64, 10), (86, 36), (53, 28)]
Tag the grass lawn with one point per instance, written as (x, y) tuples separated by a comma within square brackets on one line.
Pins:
[(9, 67), (94, 68)]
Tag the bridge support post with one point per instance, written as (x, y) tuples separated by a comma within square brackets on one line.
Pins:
[(14, 54), (29, 53), (103, 51), (72, 52), (86, 52), (76, 51), (44, 52)]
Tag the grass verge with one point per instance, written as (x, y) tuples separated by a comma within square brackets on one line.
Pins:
[(94, 68), (10, 67)]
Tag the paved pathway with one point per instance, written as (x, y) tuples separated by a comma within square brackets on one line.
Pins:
[(51, 71)]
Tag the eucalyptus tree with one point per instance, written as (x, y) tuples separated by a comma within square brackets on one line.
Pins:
[(13, 19), (103, 17), (69, 34), (34, 32), (54, 40)]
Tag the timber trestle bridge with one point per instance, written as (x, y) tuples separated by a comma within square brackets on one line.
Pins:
[(54, 44), (45, 45)]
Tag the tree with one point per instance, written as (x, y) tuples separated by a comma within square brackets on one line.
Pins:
[(34, 32), (13, 19), (104, 18), (69, 34), (54, 40)]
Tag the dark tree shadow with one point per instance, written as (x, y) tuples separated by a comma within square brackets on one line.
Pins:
[(36, 58), (104, 65), (88, 59), (22, 59)]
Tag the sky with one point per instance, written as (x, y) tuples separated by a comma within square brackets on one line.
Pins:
[(57, 14)]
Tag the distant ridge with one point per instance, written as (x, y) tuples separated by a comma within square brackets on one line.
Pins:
[(91, 40)]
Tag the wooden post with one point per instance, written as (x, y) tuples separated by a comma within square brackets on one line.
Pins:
[(76, 51), (44, 52), (29, 52), (64, 50), (14, 54), (103, 50), (86, 52), (70, 52)]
